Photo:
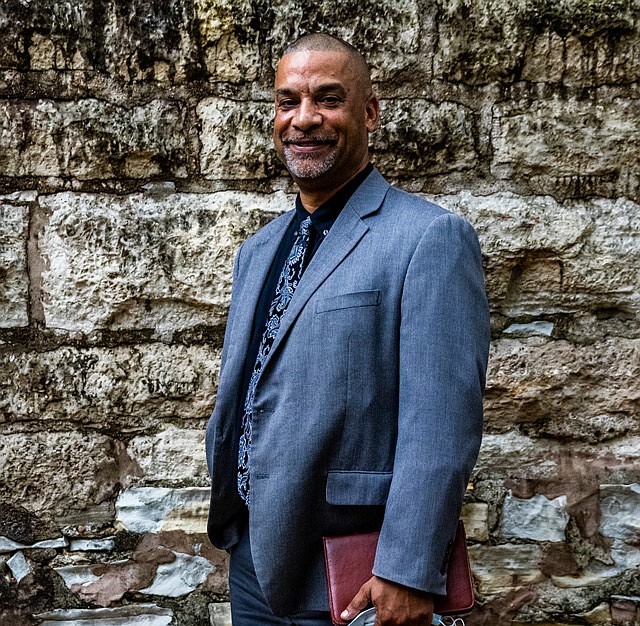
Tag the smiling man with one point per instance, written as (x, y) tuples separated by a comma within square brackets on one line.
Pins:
[(350, 394)]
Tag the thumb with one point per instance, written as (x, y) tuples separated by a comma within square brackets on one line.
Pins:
[(361, 601)]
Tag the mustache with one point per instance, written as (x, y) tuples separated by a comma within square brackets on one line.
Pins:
[(309, 139)]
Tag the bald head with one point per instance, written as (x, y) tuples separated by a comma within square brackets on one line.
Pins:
[(321, 42)]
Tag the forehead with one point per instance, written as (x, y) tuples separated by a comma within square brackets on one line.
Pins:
[(307, 69)]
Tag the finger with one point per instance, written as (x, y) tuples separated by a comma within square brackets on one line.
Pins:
[(360, 601)]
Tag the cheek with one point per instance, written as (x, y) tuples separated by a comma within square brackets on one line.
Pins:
[(279, 121)]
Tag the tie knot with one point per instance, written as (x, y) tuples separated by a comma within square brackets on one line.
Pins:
[(305, 225)]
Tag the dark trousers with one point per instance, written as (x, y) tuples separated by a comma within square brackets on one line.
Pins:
[(248, 604)]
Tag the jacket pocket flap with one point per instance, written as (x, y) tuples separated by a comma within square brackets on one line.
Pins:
[(352, 487), (348, 300)]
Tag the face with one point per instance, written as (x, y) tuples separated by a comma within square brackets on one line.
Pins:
[(323, 116)]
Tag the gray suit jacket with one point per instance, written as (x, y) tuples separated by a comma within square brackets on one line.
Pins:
[(368, 412)]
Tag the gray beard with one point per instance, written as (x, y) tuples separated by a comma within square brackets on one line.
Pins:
[(308, 166)]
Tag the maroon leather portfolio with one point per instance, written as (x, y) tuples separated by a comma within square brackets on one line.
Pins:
[(349, 561)]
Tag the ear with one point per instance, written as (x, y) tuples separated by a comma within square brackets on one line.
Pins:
[(372, 113)]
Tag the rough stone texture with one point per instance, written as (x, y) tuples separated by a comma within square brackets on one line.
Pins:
[(63, 473), (229, 39), (14, 279), (220, 614), (180, 577), (620, 512), (430, 138), (537, 264), (91, 139), (537, 518), (499, 568), (154, 42), (168, 564), (559, 389), (236, 141), (135, 157), (140, 615), (576, 138), (171, 457), (142, 262), (152, 509), (133, 386), (476, 523), (389, 36)]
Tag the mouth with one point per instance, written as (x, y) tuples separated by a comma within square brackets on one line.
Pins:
[(308, 144)]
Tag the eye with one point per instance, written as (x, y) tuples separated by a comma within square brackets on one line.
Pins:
[(287, 103), (330, 101)]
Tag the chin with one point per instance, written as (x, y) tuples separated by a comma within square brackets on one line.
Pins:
[(309, 169)]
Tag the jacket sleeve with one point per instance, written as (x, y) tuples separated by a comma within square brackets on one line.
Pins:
[(444, 339)]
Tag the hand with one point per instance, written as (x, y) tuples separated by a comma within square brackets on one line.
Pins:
[(396, 604)]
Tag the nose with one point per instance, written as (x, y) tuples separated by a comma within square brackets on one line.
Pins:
[(307, 115)]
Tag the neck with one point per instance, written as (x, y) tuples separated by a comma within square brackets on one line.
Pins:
[(314, 197)]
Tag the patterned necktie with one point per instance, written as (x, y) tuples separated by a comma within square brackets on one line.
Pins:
[(287, 283)]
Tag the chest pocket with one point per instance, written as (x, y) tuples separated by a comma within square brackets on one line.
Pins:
[(349, 300)]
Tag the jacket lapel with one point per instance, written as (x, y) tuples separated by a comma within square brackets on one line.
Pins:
[(257, 265), (344, 235)]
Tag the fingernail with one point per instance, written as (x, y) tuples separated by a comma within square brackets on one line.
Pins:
[(344, 614)]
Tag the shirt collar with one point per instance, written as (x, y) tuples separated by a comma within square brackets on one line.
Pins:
[(326, 214)]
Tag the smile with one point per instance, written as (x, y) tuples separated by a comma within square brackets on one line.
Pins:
[(309, 145)]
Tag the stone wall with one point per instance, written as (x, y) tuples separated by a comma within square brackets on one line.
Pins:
[(134, 158)]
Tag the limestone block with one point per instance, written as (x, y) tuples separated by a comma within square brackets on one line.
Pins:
[(574, 60), (564, 138), (150, 45), (171, 564), (61, 35), (104, 387), (24, 528), (19, 566), (8, 545), (557, 42), (220, 614), (131, 615), (171, 456), (537, 263), (229, 37), (155, 509), (180, 577), (555, 466), (145, 262), (479, 45), (607, 267), (92, 139), (537, 518), (507, 452), (625, 609), (76, 575), (106, 544), (530, 329), (62, 473), (599, 615), (417, 135), (475, 516), (620, 512), (557, 389), (236, 139), (14, 280), (498, 569), (622, 558), (389, 34)]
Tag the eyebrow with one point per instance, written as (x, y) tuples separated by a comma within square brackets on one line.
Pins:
[(338, 87)]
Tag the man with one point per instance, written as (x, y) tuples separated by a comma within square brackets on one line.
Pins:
[(350, 395)]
